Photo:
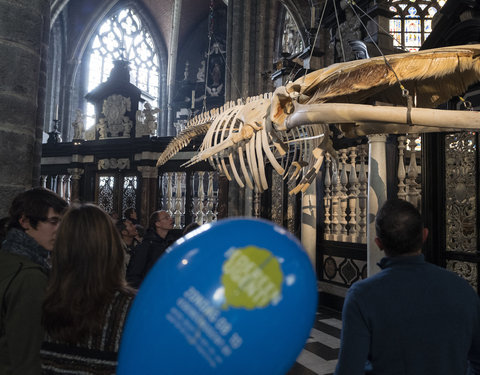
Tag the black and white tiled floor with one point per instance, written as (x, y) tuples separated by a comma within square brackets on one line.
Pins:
[(320, 354)]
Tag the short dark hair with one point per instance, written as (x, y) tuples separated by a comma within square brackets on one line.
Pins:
[(399, 227), (128, 212), (120, 224), (153, 219), (140, 230), (34, 204)]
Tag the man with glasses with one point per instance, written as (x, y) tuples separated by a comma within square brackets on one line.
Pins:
[(157, 238), (34, 217)]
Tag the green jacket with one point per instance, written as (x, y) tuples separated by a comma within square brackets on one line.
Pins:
[(22, 288)]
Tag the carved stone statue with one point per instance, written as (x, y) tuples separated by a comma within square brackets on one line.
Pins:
[(90, 133), (146, 124), (78, 125), (102, 128), (127, 127), (201, 72)]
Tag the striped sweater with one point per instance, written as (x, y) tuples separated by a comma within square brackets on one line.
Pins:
[(97, 354)]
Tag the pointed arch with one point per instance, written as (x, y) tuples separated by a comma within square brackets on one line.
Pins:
[(75, 69)]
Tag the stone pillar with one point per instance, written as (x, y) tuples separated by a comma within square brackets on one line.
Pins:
[(149, 193), (76, 174), (377, 195), (23, 45), (249, 57), (172, 63), (309, 222)]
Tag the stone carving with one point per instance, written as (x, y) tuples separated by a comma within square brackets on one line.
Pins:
[(116, 123), (114, 164), (90, 133), (467, 270), (460, 185), (348, 31), (102, 128), (78, 125), (201, 72), (145, 121)]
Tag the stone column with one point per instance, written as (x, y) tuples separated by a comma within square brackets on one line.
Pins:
[(76, 174), (149, 192), (23, 46), (377, 195), (249, 57), (172, 63), (309, 222)]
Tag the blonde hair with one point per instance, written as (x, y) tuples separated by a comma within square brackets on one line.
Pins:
[(88, 268)]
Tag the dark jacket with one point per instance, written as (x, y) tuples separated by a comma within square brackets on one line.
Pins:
[(146, 254), (22, 287), (411, 318)]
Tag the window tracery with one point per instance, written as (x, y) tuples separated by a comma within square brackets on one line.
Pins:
[(412, 22), (123, 36)]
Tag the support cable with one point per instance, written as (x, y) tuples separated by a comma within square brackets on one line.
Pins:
[(405, 92)]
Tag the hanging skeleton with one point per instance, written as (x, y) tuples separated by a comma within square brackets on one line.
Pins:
[(290, 129)]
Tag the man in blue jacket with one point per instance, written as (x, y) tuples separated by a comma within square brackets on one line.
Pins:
[(413, 317)]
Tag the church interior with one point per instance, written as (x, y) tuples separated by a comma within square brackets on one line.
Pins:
[(176, 105)]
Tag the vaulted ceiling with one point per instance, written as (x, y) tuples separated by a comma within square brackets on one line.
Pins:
[(192, 12)]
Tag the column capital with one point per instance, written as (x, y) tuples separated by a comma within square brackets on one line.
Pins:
[(377, 138), (76, 173), (148, 171)]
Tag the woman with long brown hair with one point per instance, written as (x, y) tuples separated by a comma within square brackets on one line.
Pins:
[(87, 297)]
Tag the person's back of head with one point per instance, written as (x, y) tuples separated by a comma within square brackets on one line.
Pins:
[(87, 269), (130, 213), (399, 228), (34, 205), (190, 227), (152, 220)]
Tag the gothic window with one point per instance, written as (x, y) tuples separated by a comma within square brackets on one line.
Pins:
[(412, 22), (123, 36)]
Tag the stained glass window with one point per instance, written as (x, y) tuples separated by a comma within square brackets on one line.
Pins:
[(123, 36), (412, 22)]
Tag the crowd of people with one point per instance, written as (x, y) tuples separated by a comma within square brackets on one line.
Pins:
[(68, 276)]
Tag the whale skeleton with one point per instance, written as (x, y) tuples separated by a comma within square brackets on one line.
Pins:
[(290, 128)]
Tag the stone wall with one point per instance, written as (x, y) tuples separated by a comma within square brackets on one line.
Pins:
[(23, 39)]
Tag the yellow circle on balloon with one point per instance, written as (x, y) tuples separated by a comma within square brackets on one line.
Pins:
[(252, 278)]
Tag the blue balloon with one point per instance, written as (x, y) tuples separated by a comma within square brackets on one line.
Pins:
[(234, 297)]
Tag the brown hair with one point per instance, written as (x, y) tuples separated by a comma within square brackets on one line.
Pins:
[(34, 204), (87, 270)]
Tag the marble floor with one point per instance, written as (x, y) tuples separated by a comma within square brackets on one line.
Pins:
[(319, 356)]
